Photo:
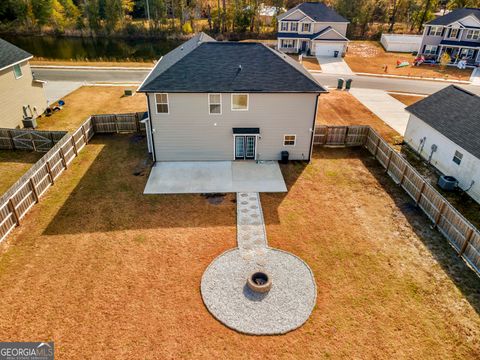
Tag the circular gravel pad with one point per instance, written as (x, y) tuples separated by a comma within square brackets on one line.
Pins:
[(285, 307)]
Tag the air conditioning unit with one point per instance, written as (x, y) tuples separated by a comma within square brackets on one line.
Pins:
[(29, 122), (447, 183)]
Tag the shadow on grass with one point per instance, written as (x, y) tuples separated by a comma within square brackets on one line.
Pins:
[(462, 276), (19, 156), (109, 195)]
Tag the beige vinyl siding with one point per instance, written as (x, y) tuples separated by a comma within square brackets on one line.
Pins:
[(16, 93), (189, 133), (340, 27)]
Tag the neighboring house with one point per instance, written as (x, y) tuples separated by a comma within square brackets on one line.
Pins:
[(210, 100), (444, 128), (312, 28), (21, 95), (457, 34)]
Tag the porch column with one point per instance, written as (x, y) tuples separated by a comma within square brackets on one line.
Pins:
[(439, 54)]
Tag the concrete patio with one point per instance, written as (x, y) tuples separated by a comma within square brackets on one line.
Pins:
[(215, 177)]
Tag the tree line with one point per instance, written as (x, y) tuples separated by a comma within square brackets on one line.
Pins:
[(102, 17)]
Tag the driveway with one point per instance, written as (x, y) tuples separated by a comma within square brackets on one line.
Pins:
[(475, 78), (332, 65), (387, 108), (215, 177)]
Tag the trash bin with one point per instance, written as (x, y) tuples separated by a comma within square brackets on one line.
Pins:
[(348, 84), (340, 84), (335, 53), (285, 155)]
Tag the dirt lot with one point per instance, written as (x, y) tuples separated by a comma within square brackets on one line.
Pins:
[(407, 99), (14, 164), (308, 63), (107, 272), (341, 108), (370, 57), (142, 64), (89, 100)]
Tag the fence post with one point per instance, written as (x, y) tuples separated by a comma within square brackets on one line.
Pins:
[(440, 213), (468, 237), (376, 147), (417, 199), (84, 135), (116, 123), (34, 190), (74, 146), (137, 121), (345, 136), (14, 211), (389, 159), (404, 171), (11, 139), (49, 170), (62, 155)]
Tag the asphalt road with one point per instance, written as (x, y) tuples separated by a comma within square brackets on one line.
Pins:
[(137, 76)]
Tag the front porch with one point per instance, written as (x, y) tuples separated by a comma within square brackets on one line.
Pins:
[(469, 54), (199, 177)]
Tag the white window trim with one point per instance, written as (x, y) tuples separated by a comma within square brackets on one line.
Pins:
[(291, 25), (457, 155), (305, 31), (168, 104), (294, 141), (436, 32), (432, 51), (287, 23), (220, 103), (470, 34), (21, 71), (451, 32), (231, 102)]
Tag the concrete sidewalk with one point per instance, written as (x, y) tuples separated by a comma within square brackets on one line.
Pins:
[(475, 78), (332, 65), (387, 108), (56, 90)]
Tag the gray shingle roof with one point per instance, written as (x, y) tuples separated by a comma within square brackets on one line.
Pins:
[(10, 54), (317, 11), (455, 113), (210, 66), (455, 15)]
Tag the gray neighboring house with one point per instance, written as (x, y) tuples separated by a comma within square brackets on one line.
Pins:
[(22, 95), (210, 100), (444, 129), (457, 34), (312, 28)]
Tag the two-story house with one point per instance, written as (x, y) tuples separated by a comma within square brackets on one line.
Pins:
[(312, 28), (22, 95), (457, 34), (221, 101)]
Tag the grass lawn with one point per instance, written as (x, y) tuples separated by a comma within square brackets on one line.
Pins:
[(370, 57), (145, 64), (89, 100), (13, 164), (107, 272), (341, 108), (407, 99)]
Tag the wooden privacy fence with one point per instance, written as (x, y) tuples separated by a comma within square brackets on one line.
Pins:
[(340, 135), (116, 123), (27, 191), (33, 140)]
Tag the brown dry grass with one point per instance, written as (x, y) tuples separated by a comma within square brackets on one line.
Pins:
[(107, 272), (13, 164), (89, 100), (341, 108), (146, 64), (370, 57), (308, 63), (407, 99)]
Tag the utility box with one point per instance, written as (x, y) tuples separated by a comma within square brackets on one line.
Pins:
[(29, 123)]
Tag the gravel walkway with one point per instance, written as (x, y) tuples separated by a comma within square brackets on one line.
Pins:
[(292, 297)]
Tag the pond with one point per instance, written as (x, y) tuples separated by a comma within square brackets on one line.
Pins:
[(82, 48)]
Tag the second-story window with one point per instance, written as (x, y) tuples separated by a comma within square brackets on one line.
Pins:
[(473, 34), (239, 102), (215, 104), (17, 70), (306, 27), (436, 31), (453, 33), (284, 26), (293, 26), (161, 102)]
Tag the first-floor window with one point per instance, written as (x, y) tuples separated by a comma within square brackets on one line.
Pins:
[(215, 103), (288, 43), (239, 102), (431, 49), (161, 101), (17, 70), (457, 158), (289, 140)]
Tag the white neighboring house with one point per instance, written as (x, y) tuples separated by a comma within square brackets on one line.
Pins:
[(312, 28), (444, 128)]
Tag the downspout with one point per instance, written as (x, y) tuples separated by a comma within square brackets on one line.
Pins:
[(154, 155), (313, 128)]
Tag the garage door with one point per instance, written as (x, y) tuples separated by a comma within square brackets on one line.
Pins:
[(322, 49)]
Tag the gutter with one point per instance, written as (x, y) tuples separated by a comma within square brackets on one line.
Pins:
[(16, 63), (313, 128)]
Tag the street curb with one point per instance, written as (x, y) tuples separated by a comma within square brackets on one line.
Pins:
[(413, 78), (72, 67)]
